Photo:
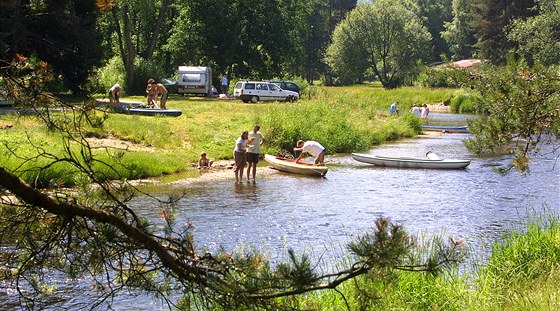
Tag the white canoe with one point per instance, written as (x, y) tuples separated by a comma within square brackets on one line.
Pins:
[(290, 166), (411, 162)]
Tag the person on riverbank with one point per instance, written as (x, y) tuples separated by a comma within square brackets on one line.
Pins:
[(312, 147), (424, 113), (161, 90), (256, 139), (151, 90), (240, 156), (393, 109), (115, 93), (204, 162), (415, 110)]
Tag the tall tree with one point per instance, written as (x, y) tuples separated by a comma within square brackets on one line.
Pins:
[(491, 21), (384, 37), (434, 15), (538, 37), (63, 33), (522, 110), (459, 33), (138, 25)]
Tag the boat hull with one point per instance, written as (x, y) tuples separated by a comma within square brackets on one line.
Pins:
[(411, 162), (152, 112), (446, 129), (290, 166)]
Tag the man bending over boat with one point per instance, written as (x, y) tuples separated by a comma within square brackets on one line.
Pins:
[(312, 147)]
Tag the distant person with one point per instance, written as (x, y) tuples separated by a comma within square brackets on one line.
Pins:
[(115, 93), (424, 113), (151, 91), (312, 147), (240, 156), (394, 110), (225, 84), (256, 139), (161, 90), (415, 110), (204, 162)]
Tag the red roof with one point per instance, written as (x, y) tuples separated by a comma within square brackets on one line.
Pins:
[(466, 63)]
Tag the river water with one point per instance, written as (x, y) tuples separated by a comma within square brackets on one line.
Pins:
[(283, 210)]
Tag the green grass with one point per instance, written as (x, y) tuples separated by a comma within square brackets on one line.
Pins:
[(343, 119), (522, 273)]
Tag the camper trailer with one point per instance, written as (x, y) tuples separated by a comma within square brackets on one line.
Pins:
[(195, 80)]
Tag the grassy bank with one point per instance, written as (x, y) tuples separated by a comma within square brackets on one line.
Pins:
[(522, 274), (343, 119)]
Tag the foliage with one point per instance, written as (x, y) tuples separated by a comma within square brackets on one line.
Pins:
[(437, 77), (459, 33), (107, 76), (465, 103), (537, 36), (61, 33), (490, 23), (434, 15), (384, 37), (522, 110)]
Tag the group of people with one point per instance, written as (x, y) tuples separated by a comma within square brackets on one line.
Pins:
[(246, 151), (156, 90), (153, 89), (421, 112)]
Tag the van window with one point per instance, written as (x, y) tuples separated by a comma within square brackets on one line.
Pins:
[(262, 86), (192, 77), (249, 86), (273, 87)]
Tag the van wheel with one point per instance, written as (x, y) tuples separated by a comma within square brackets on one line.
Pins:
[(254, 99)]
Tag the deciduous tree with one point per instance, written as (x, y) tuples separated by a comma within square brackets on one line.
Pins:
[(384, 37)]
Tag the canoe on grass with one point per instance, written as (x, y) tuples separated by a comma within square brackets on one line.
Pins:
[(432, 162), (290, 166), (152, 112), (446, 129)]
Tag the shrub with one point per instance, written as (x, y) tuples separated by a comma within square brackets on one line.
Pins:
[(437, 77), (464, 103)]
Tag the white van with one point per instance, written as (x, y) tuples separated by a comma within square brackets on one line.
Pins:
[(254, 91), (195, 80)]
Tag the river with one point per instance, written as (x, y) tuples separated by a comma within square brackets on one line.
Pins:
[(281, 210)]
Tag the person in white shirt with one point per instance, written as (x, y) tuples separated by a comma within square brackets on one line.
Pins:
[(239, 155), (415, 110), (424, 113), (256, 139), (312, 147)]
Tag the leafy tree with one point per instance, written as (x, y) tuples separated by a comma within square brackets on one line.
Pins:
[(138, 26), (459, 33), (63, 33), (491, 20), (384, 37), (92, 231), (538, 37), (434, 15), (522, 111)]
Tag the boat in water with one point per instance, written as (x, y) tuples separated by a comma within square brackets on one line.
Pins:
[(432, 161), (446, 129), (290, 166)]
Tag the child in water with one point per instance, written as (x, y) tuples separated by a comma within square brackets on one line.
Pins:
[(204, 162)]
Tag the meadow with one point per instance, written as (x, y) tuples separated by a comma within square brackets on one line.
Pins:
[(343, 119)]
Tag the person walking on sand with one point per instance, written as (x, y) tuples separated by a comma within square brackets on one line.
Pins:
[(240, 156), (161, 90), (256, 139), (312, 147)]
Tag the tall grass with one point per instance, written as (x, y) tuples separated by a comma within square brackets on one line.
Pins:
[(343, 119), (522, 274)]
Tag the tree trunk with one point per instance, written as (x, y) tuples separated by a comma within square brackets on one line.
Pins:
[(157, 28)]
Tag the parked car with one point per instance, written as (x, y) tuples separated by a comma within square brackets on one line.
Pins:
[(254, 91), (287, 85)]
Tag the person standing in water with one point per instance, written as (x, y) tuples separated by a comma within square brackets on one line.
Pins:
[(256, 139)]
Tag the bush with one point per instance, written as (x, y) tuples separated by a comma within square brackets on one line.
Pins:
[(107, 76), (437, 77), (464, 103)]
